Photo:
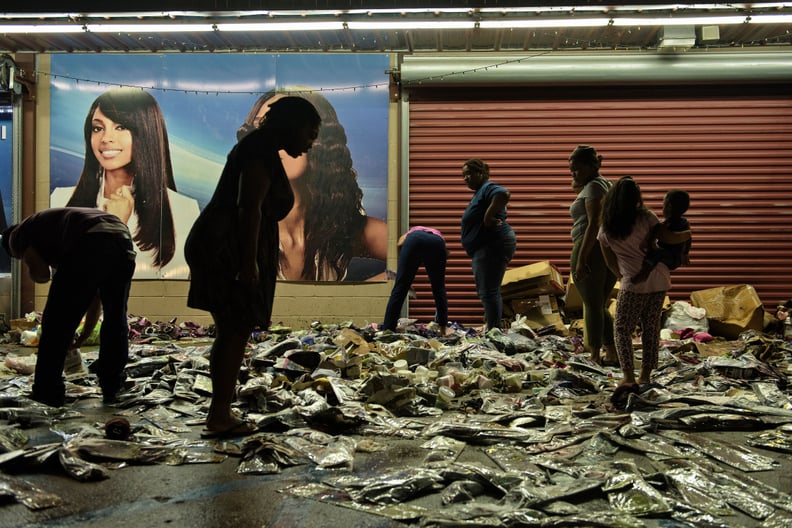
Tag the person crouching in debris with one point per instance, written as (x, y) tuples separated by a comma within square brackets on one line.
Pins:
[(92, 256), (623, 237), (419, 245)]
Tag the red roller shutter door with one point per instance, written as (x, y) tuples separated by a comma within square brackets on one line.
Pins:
[(732, 152)]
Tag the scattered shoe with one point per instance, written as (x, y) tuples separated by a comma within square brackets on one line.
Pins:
[(49, 399)]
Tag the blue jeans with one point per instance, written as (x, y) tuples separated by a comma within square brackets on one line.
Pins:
[(489, 266), (99, 264), (420, 247)]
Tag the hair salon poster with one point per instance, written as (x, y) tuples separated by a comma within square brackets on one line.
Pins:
[(168, 122)]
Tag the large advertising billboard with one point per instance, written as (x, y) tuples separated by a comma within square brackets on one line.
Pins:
[(146, 137)]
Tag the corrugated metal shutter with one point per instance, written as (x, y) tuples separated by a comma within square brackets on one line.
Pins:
[(730, 147)]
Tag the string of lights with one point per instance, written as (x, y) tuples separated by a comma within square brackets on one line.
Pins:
[(567, 45)]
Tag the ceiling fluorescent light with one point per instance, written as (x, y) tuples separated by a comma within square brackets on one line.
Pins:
[(680, 21), (544, 23), (148, 28), (769, 19), (43, 28), (412, 24), (282, 26)]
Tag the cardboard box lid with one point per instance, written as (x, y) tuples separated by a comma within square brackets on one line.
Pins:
[(537, 278)]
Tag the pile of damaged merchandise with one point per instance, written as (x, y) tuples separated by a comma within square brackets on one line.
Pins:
[(528, 399)]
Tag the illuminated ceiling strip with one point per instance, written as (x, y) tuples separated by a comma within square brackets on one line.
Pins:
[(412, 24), (281, 26), (771, 19), (149, 28), (679, 21), (41, 28), (604, 9), (544, 23), (371, 25)]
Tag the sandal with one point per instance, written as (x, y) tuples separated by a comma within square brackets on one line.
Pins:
[(236, 430)]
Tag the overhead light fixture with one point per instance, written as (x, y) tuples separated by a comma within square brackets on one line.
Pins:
[(769, 19), (411, 24), (678, 21), (148, 28), (677, 38), (41, 28), (282, 26), (417, 19), (539, 22)]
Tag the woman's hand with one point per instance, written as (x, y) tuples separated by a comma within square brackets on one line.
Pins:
[(581, 271), (497, 204), (248, 276), (121, 203), (38, 269), (492, 222)]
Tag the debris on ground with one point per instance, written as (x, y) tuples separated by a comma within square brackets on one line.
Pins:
[(532, 402)]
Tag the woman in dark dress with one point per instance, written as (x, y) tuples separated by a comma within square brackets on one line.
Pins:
[(232, 249)]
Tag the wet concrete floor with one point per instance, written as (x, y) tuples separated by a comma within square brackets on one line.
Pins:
[(214, 495)]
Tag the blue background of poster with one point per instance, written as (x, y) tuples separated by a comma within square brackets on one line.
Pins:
[(204, 98), (6, 180)]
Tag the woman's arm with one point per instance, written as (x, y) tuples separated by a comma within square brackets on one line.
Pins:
[(672, 237), (91, 318), (254, 184), (593, 209), (610, 259), (497, 204), (375, 239)]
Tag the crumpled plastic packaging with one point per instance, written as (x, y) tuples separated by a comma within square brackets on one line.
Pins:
[(24, 365)]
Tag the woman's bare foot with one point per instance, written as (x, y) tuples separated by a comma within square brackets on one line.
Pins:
[(238, 429), (645, 377)]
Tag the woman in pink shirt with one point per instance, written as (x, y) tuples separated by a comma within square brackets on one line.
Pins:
[(624, 235)]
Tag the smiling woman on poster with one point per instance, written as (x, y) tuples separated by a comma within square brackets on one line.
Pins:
[(127, 171), (327, 236)]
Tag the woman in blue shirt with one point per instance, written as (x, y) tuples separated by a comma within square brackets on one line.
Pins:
[(487, 238)]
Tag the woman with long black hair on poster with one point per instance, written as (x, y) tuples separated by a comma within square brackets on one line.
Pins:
[(127, 171), (327, 236)]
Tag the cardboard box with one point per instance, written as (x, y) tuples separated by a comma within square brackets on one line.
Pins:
[(731, 310), (531, 280), (539, 311)]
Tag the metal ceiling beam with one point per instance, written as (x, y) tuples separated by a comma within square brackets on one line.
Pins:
[(594, 68)]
